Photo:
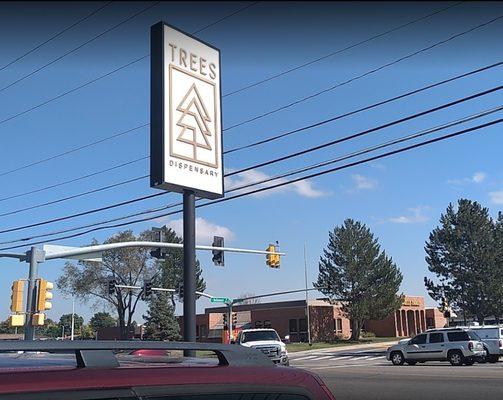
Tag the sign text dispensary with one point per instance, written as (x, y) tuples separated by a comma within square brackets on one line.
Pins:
[(186, 133)]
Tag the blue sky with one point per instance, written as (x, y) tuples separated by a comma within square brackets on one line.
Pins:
[(400, 198)]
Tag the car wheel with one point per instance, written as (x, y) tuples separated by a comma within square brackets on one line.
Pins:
[(397, 358), (456, 358), (411, 362), (469, 361), (493, 358)]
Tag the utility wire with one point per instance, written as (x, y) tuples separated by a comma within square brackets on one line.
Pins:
[(324, 57), (35, 71), (473, 72), (57, 35), (366, 132), (345, 138), (239, 10), (73, 180), (93, 191), (353, 112), (75, 149), (276, 177), (281, 184), (355, 78)]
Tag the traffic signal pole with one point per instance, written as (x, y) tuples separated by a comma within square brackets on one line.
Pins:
[(189, 269), (34, 256)]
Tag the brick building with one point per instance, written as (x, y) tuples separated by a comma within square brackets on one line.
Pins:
[(327, 321)]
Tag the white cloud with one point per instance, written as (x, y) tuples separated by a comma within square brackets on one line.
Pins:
[(477, 177), (302, 188), (496, 197), (364, 183), (205, 230), (415, 217)]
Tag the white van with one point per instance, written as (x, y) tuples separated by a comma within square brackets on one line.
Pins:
[(492, 337)]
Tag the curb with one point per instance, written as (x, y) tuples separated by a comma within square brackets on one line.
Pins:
[(344, 348)]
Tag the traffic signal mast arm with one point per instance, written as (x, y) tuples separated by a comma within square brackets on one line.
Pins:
[(121, 245)]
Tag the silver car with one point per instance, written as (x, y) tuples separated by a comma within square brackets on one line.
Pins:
[(458, 346)]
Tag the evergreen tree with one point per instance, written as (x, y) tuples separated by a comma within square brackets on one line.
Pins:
[(66, 321), (461, 253), (102, 320), (357, 273), (160, 320), (171, 268)]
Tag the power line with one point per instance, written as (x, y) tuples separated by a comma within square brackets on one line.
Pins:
[(374, 105), (276, 177), (366, 132), (138, 13), (324, 57), (276, 137), (75, 149), (239, 10), (345, 138), (259, 190), (100, 189), (73, 180), (57, 35), (355, 78)]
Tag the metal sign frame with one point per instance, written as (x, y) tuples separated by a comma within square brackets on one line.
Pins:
[(158, 135)]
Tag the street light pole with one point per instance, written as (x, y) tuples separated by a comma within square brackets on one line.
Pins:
[(307, 298), (73, 318)]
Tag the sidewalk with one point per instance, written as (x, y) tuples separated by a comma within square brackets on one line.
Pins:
[(339, 348)]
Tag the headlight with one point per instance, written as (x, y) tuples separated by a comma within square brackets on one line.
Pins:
[(283, 350)]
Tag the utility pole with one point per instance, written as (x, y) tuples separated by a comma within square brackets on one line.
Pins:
[(307, 298), (73, 318), (189, 269)]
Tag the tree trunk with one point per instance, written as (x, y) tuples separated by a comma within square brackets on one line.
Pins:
[(355, 330), (480, 319)]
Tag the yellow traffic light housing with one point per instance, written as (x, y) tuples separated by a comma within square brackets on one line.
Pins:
[(17, 296), (38, 319), (272, 260), (16, 320), (43, 295)]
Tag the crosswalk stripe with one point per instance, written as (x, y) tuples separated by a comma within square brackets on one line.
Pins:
[(376, 358), (323, 358), (341, 358), (304, 358), (363, 358)]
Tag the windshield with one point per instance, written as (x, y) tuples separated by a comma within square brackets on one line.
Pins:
[(255, 336)]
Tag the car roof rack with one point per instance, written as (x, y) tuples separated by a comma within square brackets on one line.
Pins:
[(99, 353)]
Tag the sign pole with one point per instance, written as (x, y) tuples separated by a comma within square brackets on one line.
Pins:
[(34, 256), (189, 269)]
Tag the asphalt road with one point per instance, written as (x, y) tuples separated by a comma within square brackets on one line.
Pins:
[(367, 375)]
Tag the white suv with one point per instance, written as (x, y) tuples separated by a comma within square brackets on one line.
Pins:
[(492, 338), (456, 345), (267, 341)]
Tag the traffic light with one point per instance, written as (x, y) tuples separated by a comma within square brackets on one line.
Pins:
[(16, 320), (159, 235), (226, 322), (44, 294), (112, 286), (218, 255), (273, 260), (17, 296), (38, 319), (234, 318), (147, 289), (180, 291)]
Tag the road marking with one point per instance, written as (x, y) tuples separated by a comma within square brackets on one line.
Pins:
[(341, 358), (304, 358), (323, 358), (376, 358)]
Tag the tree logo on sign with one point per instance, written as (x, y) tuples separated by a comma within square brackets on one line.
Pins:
[(194, 121)]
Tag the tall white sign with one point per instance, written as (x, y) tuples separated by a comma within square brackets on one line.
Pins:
[(186, 125)]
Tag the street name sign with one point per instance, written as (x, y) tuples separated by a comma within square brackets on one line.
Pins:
[(225, 300), (185, 115)]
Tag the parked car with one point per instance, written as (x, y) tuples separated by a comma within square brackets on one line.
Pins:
[(492, 338), (88, 370), (456, 345), (267, 341)]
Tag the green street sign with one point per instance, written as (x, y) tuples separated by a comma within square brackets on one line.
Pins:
[(225, 300)]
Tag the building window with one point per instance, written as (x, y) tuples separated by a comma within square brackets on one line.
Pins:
[(197, 331), (202, 331), (302, 325), (267, 324), (258, 324), (293, 326), (338, 325)]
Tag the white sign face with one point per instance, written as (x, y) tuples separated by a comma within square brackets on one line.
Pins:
[(186, 133)]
